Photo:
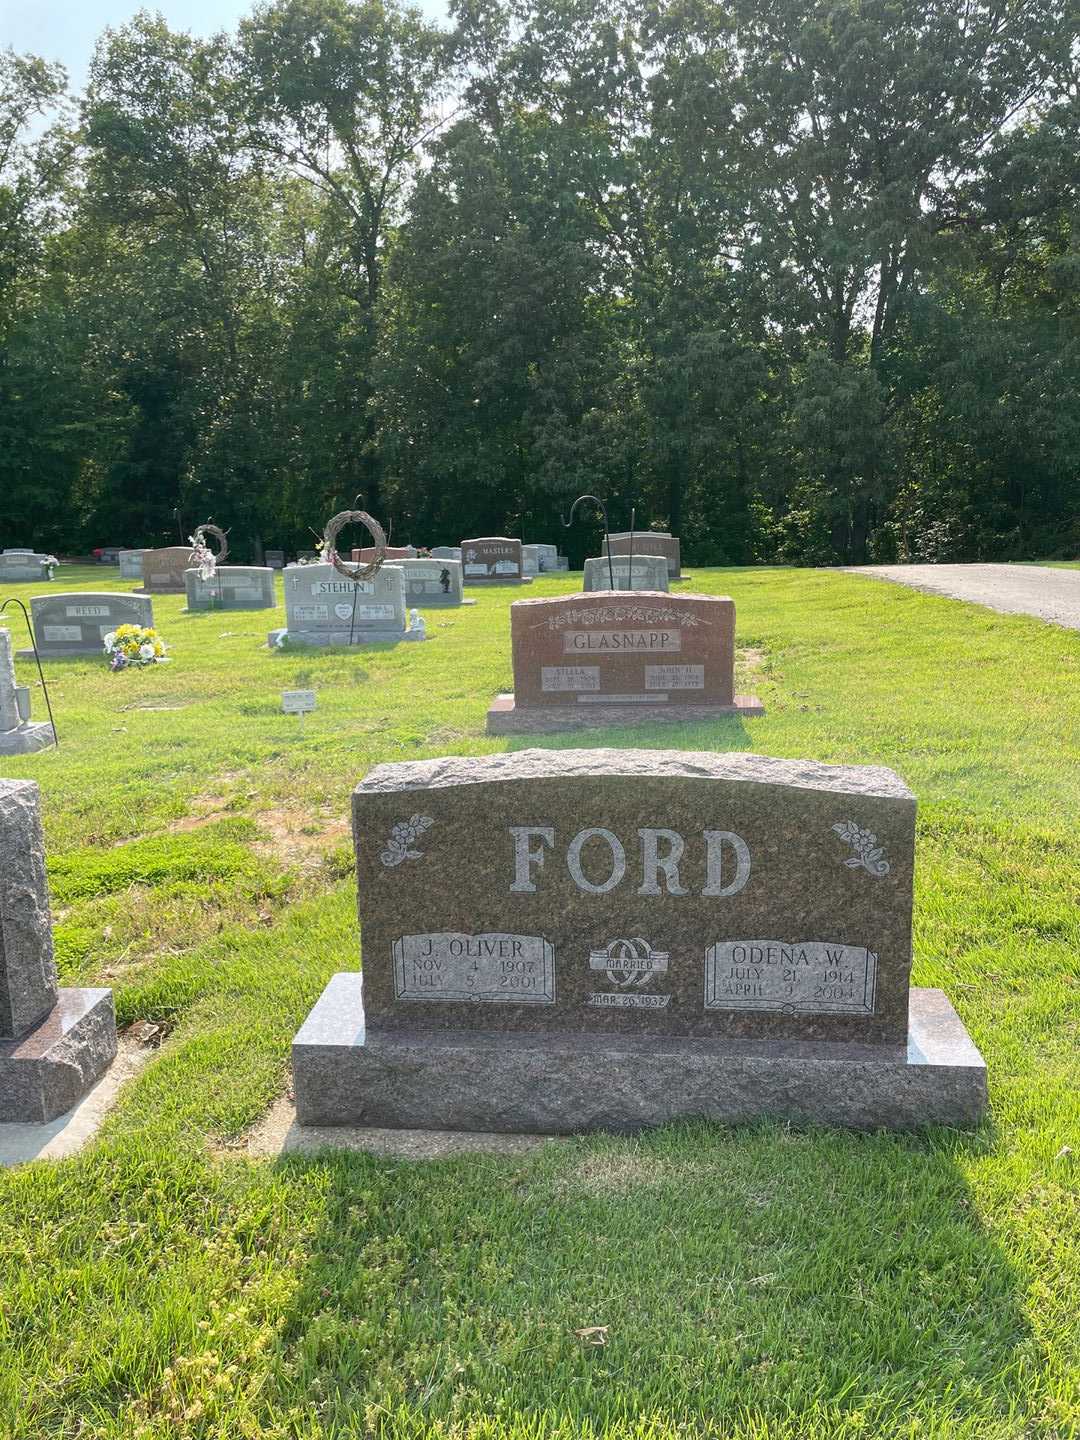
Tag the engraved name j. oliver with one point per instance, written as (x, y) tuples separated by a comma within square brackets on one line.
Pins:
[(494, 967)]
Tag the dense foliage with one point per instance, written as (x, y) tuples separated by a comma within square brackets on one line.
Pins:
[(798, 279)]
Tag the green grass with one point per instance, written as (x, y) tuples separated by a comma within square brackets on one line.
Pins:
[(760, 1282)]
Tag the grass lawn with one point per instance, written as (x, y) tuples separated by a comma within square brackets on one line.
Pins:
[(760, 1282)]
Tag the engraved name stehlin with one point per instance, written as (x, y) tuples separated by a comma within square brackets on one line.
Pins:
[(789, 976)]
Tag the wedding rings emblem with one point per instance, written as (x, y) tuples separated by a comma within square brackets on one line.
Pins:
[(629, 965)]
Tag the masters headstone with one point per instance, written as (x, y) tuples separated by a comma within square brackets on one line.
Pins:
[(131, 564), (650, 542), (163, 570), (630, 572), (54, 1043), (232, 587), (600, 939), (76, 624), (18, 733), (324, 607), (493, 560), (613, 658), (432, 583)]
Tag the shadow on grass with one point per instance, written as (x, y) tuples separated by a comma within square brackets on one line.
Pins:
[(750, 1281)]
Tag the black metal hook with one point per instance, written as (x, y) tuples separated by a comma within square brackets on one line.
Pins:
[(607, 541), (14, 600)]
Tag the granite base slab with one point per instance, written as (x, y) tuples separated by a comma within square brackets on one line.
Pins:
[(570, 1084), (487, 583), (46, 1071), (505, 718), (277, 639), (34, 735)]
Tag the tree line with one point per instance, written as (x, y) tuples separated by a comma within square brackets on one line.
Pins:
[(798, 280)]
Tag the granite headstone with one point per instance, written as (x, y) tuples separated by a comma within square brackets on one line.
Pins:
[(324, 607), (650, 542), (77, 623), (163, 570), (576, 939), (366, 553), (446, 552), (131, 564), (25, 565), (432, 583), (233, 587), (18, 733), (54, 1043), (275, 559), (614, 658), (630, 572), (492, 560)]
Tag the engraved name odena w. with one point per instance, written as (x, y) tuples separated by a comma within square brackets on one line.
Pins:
[(727, 860)]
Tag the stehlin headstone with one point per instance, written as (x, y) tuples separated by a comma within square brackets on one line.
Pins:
[(493, 560), (324, 607), (18, 733), (77, 623), (231, 587), (581, 939), (54, 1043), (617, 658), (629, 572)]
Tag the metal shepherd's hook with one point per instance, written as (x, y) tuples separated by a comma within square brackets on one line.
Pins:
[(37, 658), (607, 542)]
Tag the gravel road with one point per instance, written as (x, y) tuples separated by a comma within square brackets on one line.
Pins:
[(1039, 590)]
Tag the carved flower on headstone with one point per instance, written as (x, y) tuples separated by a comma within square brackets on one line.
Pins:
[(866, 854), (402, 839)]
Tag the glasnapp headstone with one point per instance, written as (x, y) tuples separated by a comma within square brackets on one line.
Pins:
[(613, 657), (569, 940)]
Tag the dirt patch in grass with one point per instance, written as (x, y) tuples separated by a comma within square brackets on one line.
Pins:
[(299, 838)]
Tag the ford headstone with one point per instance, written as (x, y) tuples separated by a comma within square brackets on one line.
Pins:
[(569, 940)]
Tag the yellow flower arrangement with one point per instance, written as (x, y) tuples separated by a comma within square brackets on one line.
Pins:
[(134, 645)]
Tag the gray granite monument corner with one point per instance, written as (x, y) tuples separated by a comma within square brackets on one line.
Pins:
[(18, 733), (570, 940), (232, 587), (54, 1043)]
